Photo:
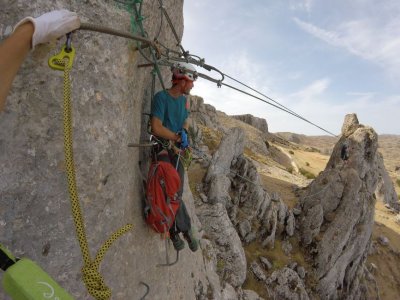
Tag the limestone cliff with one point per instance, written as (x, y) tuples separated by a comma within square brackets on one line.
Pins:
[(109, 94)]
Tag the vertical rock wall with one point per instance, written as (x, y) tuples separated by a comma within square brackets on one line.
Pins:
[(109, 94)]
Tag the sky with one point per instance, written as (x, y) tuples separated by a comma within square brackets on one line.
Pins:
[(322, 59)]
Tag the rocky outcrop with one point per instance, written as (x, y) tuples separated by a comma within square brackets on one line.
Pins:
[(259, 123), (204, 114), (235, 202), (338, 212), (286, 284), (385, 190), (213, 215)]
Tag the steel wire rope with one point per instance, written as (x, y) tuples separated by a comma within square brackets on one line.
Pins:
[(154, 58), (258, 92), (86, 26), (171, 26), (111, 31), (276, 106), (286, 109)]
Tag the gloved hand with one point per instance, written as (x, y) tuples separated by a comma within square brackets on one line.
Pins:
[(184, 138), (51, 25)]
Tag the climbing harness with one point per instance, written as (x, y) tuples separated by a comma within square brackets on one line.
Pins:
[(91, 277), (25, 280)]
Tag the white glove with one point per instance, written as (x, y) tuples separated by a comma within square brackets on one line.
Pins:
[(52, 25)]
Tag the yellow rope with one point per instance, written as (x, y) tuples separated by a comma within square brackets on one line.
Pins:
[(91, 277)]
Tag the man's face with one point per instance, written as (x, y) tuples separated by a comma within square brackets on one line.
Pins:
[(187, 87)]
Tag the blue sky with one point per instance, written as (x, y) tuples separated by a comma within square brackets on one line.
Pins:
[(322, 59)]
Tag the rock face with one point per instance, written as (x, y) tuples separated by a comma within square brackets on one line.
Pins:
[(385, 190), (214, 216), (204, 114), (338, 212), (259, 123), (109, 94)]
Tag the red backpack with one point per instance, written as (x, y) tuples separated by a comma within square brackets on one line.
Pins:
[(162, 201)]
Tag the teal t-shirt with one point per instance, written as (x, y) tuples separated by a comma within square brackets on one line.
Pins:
[(172, 112)]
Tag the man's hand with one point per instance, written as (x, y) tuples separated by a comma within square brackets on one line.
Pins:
[(184, 138), (51, 25)]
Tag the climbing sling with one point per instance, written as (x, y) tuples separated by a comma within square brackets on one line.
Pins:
[(25, 280), (91, 276)]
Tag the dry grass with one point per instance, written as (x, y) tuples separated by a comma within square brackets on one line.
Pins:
[(211, 138), (196, 174), (387, 258)]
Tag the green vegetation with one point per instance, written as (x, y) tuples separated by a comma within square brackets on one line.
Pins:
[(291, 152), (307, 164), (398, 182), (307, 174), (220, 264), (290, 169)]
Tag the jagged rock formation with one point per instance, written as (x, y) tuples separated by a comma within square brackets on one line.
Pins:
[(203, 113), (259, 123), (214, 215), (235, 202), (338, 212), (385, 191)]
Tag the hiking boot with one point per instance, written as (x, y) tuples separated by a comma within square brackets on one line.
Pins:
[(177, 242), (191, 240)]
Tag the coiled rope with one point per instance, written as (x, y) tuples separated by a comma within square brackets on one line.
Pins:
[(91, 277)]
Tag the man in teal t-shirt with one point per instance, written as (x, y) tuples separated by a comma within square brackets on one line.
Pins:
[(169, 115)]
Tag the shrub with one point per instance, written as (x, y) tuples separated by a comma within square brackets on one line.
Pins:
[(307, 164), (307, 174), (291, 152), (290, 169), (398, 182)]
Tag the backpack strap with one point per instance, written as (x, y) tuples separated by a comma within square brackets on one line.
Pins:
[(162, 183)]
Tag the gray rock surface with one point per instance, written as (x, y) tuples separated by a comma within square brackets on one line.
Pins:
[(109, 94), (202, 113), (259, 123), (385, 190), (344, 193), (231, 259), (265, 263), (250, 295), (231, 146), (258, 271), (286, 284)]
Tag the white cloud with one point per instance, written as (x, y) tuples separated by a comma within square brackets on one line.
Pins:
[(315, 89), (305, 5), (365, 38)]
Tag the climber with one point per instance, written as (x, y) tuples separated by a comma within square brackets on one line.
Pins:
[(28, 33), (169, 121)]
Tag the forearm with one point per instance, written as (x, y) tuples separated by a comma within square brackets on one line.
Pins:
[(164, 132), (12, 53)]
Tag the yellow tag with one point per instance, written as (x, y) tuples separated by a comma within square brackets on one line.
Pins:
[(53, 61)]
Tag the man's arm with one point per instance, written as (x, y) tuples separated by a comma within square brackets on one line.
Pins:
[(27, 34), (158, 129), (12, 53)]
